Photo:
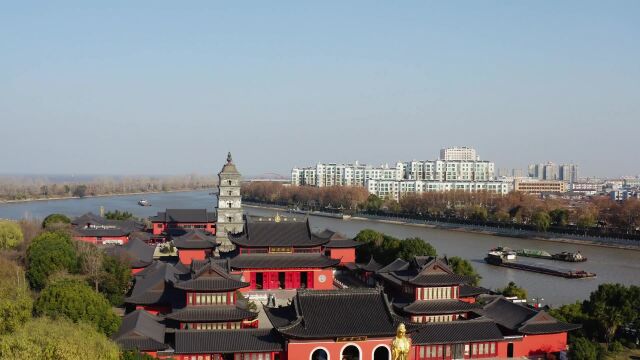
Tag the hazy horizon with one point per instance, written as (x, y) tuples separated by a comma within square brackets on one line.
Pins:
[(126, 88)]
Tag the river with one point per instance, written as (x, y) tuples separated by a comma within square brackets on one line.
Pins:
[(611, 265)]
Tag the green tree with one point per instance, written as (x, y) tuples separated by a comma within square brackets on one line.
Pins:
[(76, 301), (512, 290), (15, 300), (10, 234), (374, 203), (55, 219), (559, 217), (371, 240), (462, 266), (584, 349), (116, 279), (80, 191), (479, 213), (48, 253), (412, 247), (60, 339), (118, 215), (613, 305), (541, 220)]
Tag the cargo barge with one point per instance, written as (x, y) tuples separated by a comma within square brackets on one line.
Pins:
[(541, 254), (507, 258)]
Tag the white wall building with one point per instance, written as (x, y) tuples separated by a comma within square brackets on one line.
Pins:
[(393, 189), (458, 153)]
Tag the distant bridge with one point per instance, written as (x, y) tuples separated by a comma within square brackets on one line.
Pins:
[(268, 177)]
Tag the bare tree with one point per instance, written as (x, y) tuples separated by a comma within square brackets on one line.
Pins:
[(91, 258)]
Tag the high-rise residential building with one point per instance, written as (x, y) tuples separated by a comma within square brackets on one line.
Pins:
[(458, 153), (230, 219), (569, 173), (406, 177)]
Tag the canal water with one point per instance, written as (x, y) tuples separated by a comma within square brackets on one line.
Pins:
[(611, 265)]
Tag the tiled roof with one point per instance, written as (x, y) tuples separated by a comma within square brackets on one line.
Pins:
[(185, 216), (227, 341), (427, 307), (271, 233), (136, 252), (194, 239), (469, 290), (154, 285), (341, 244), (523, 319), (371, 266), (210, 277), (421, 271), (284, 261), (326, 314), (90, 232), (456, 332), (395, 265), (438, 279), (141, 331), (90, 220), (214, 313)]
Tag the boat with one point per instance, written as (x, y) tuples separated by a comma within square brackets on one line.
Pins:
[(569, 256), (144, 202), (508, 258), (563, 256)]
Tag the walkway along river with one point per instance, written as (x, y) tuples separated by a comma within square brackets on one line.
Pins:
[(611, 265)]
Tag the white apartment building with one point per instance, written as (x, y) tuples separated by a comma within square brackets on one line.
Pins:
[(458, 153), (451, 170), (344, 174), (392, 189)]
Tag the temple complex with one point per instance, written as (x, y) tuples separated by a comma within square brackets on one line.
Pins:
[(215, 297)]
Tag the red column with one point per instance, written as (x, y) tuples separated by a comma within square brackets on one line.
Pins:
[(310, 280)]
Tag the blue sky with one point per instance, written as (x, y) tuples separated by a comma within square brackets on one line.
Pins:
[(166, 87)]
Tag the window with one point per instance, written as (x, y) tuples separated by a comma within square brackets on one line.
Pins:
[(319, 354)]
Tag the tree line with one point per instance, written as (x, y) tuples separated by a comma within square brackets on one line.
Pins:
[(598, 215), (57, 295), (29, 188)]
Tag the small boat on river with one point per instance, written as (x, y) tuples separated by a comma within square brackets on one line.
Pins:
[(144, 202), (508, 258)]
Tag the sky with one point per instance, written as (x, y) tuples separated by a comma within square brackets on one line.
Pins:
[(169, 87)]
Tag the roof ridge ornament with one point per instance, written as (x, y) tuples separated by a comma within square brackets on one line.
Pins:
[(229, 159)]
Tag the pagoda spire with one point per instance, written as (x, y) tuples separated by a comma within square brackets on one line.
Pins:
[(229, 159)]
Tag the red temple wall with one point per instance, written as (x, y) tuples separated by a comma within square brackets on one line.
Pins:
[(159, 227), (344, 255), (94, 240), (303, 350), (188, 255), (534, 344), (320, 279)]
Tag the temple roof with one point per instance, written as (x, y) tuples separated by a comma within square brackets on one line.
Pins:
[(371, 266), (185, 216), (283, 261), (213, 313), (210, 277), (423, 271), (523, 319), (469, 290), (136, 252), (194, 239), (227, 341), (154, 285), (229, 167), (456, 332), (326, 314), (435, 307), (141, 331), (91, 224), (289, 233)]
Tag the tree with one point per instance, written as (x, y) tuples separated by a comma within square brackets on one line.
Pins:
[(513, 290), (15, 300), (374, 203), (371, 239), (118, 215), (559, 216), (479, 213), (116, 279), (583, 349), (56, 219), (412, 247), (46, 339), (541, 220), (613, 305), (90, 258), (10, 234), (48, 253), (76, 301), (80, 191), (462, 266)]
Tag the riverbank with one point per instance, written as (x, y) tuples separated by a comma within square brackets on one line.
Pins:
[(99, 196), (485, 230)]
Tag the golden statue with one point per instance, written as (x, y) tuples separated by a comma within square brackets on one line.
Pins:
[(401, 345)]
